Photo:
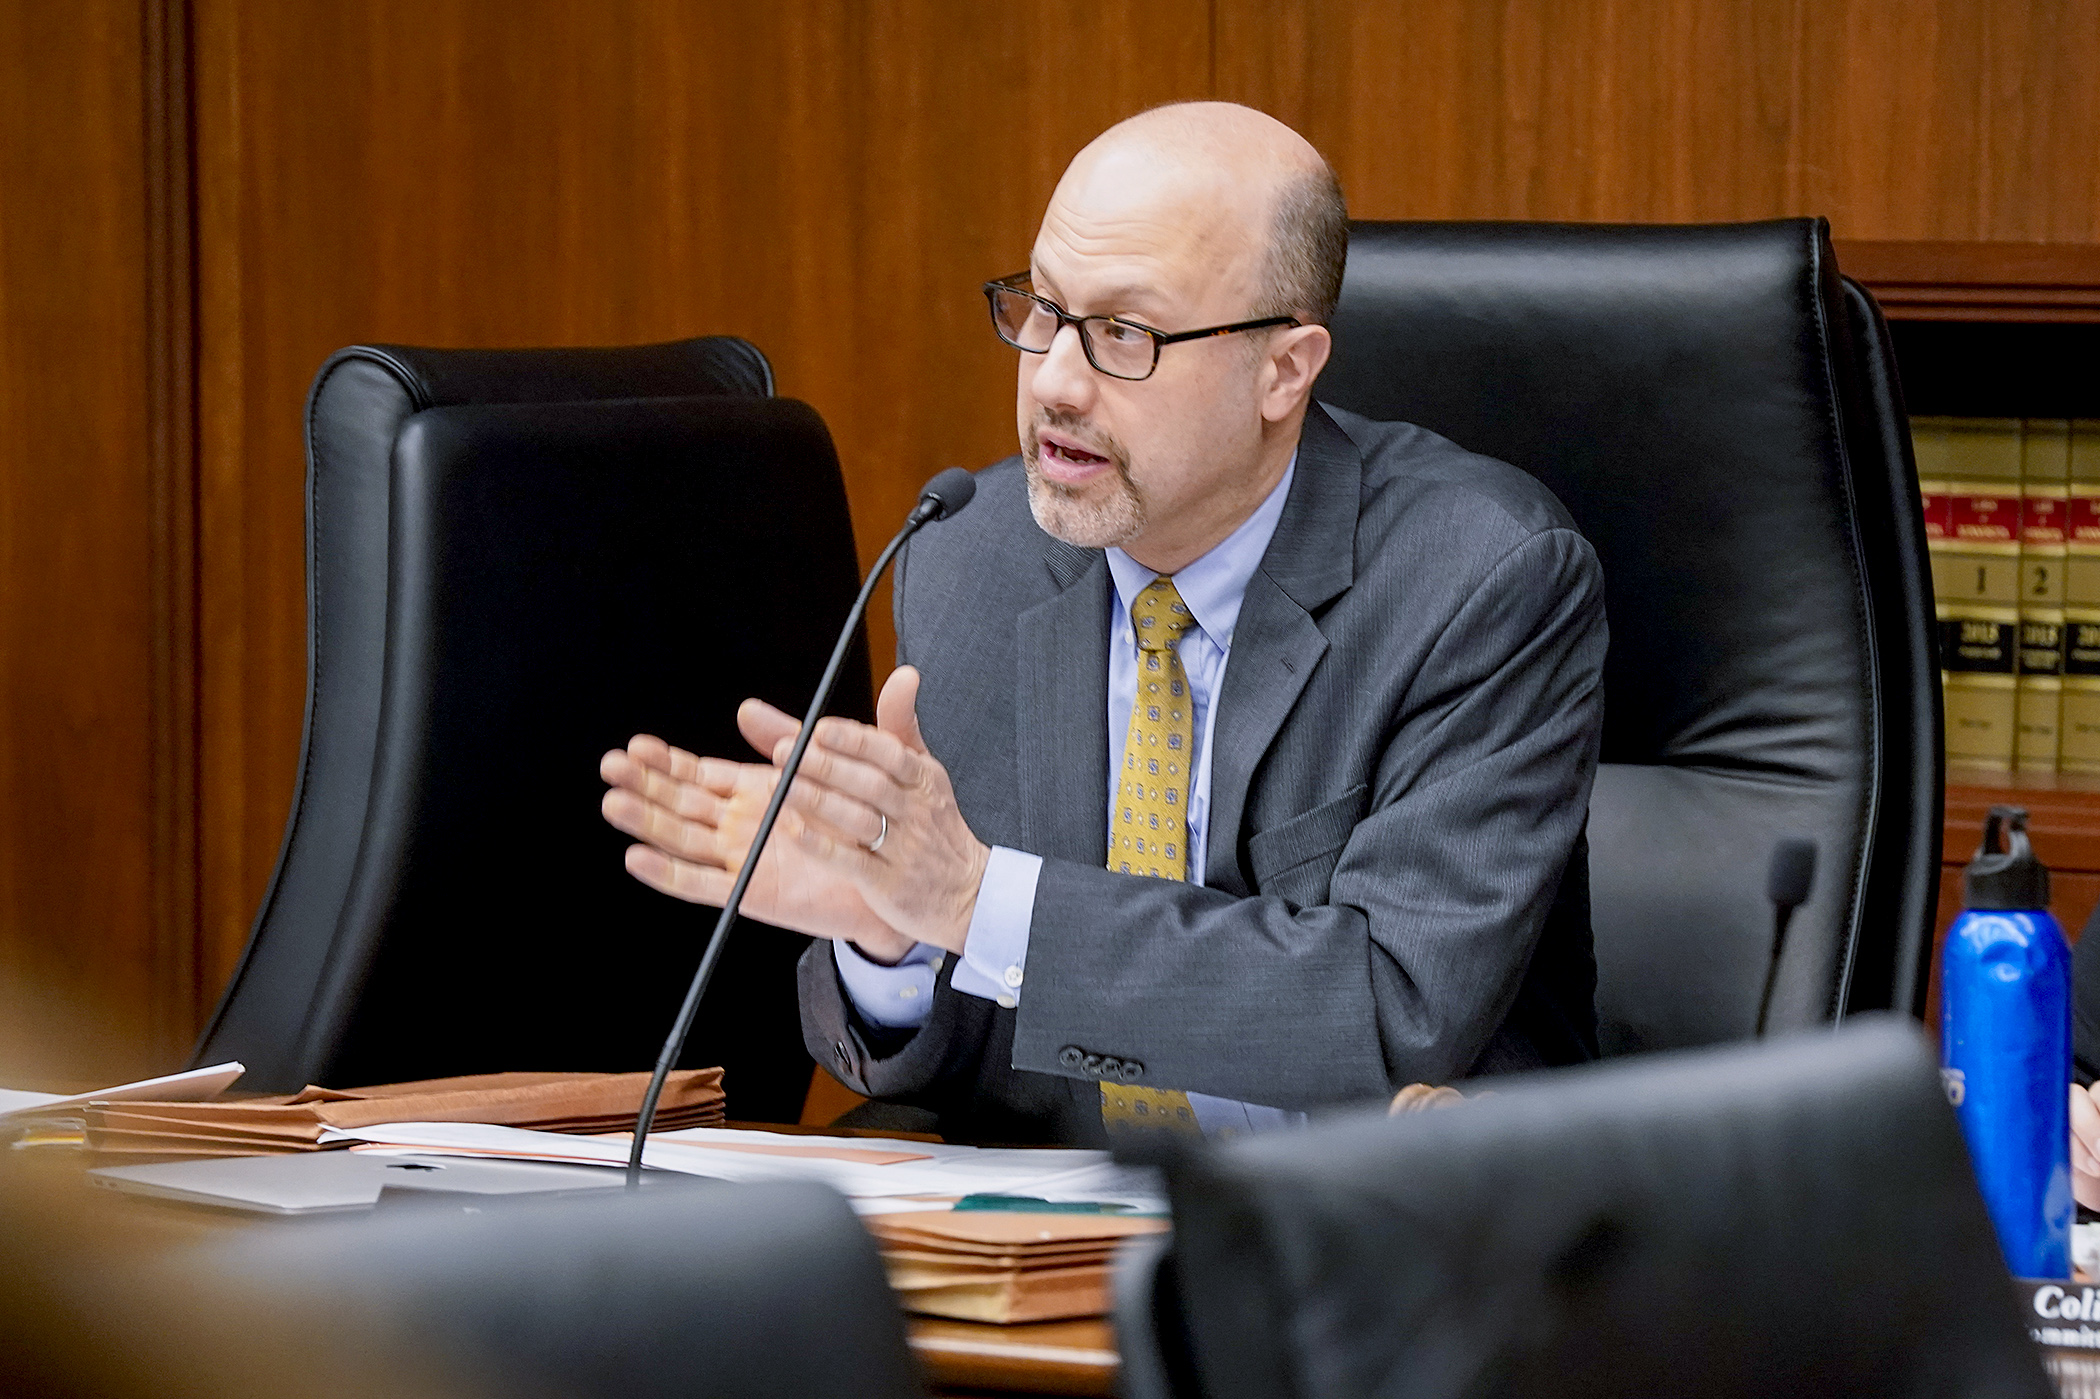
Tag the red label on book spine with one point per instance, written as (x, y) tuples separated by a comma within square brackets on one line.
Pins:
[(2042, 519), (1984, 519), (1935, 502), (2084, 524)]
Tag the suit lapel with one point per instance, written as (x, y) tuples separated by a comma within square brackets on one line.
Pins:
[(1276, 644), (1062, 688)]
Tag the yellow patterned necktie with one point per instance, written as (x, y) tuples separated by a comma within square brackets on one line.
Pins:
[(1149, 832)]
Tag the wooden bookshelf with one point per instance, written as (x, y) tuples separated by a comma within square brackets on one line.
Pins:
[(1993, 282), (1999, 330)]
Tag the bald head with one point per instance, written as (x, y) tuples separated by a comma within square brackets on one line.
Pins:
[(1198, 225), (1253, 198)]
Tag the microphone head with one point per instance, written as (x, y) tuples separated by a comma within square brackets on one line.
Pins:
[(948, 493), (1792, 873)]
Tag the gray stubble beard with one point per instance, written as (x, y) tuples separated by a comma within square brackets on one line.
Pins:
[(1063, 515)]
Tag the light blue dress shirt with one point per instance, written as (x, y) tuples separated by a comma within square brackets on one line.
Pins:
[(995, 953)]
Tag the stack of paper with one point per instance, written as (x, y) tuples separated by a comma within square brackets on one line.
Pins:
[(579, 1103), (55, 1118), (985, 1266), (869, 1169)]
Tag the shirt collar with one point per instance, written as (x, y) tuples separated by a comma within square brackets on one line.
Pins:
[(1213, 586)]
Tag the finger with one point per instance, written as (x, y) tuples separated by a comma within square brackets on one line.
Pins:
[(2083, 1161), (863, 781), (897, 710), (672, 834), (877, 747), (2085, 1118), (846, 816), (712, 783), (763, 726), (845, 857), (701, 801), (681, 879)]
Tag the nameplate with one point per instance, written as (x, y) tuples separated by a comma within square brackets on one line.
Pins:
[(2063, 1315)]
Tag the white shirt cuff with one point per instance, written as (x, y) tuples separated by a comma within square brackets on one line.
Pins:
[(896, 998), (996, 948)]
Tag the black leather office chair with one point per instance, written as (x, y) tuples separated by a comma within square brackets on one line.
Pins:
[(1718, 408), (516, 560), (708, 1290), (1793, 1217)]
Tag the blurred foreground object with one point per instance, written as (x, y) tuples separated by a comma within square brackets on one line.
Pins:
[(1795, 1217), (90, 1310), (696, 1291)]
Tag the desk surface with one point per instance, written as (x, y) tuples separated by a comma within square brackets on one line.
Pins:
[(961, 1357)]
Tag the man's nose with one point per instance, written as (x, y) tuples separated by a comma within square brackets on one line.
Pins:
[(1063, 378)]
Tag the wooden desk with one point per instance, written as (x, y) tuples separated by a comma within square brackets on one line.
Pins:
[(960, 1357)]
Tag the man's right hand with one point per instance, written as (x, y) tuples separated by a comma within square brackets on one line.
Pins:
[(695, 818)]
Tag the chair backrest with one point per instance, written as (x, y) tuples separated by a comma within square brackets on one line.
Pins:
[(1791, 1217), (708, 1290), (1719, 411), (539, 585)]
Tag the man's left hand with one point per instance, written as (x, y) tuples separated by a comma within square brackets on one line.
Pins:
[(882, 786)]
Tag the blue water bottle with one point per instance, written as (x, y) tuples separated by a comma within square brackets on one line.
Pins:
[(2005, 1046)]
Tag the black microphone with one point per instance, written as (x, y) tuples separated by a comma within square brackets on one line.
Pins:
[(942, 497), (1787, 882)]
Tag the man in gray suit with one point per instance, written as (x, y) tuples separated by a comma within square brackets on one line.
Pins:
[(1239, 754)]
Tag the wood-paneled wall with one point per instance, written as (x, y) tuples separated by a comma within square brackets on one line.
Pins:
[(831, 178), (97, 934)]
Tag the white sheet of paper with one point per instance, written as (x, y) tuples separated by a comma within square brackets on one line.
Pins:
[(189, 1086), (1049, 1173)]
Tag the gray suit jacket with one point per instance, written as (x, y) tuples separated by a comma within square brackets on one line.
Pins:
[(1406, 734)]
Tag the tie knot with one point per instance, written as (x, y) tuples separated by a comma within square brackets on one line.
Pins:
[(1159, 616)]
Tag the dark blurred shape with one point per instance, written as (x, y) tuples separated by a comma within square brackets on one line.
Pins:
[(705, 1292), (1717, 408), (949, 491), (1791, 874), (1794, 1217), (516, 561), (90, 1309), (2012, 369), (1788, 880)]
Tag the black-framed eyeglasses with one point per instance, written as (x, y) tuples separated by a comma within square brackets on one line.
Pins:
[(1119, 348)]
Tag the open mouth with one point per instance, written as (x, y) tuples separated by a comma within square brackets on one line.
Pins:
[(1061, 457)]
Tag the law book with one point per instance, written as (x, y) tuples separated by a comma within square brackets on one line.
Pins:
[(1976, 589), (2081, 684), (2045, 492)]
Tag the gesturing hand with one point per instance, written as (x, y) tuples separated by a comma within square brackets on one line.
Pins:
[(860, 787), (695, 818)]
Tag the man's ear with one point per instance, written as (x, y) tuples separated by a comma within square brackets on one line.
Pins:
[(1296, 357)]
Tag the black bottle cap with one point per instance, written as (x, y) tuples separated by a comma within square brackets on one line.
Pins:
[(2007, 879)]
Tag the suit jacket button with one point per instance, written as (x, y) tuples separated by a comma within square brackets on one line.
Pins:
[(1111, 1067), (1093, 1063), (1070, 1056), (1132, 1070)]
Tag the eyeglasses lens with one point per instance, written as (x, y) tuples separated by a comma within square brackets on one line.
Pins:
[(1114, 348), (1121, 350), (1022, 321)]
